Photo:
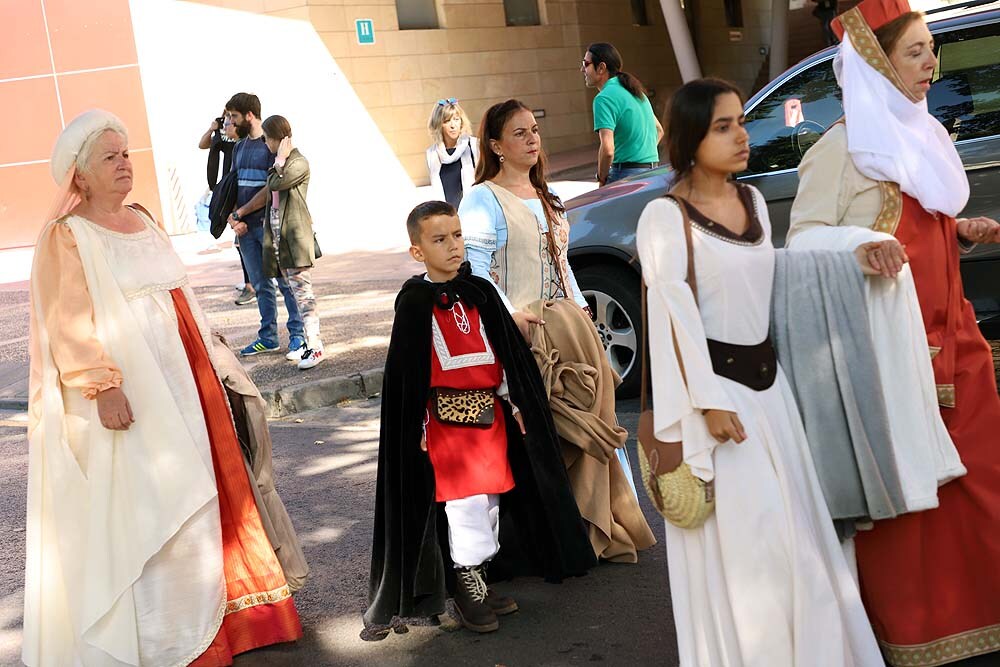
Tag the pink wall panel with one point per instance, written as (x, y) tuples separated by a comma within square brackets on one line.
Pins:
[(24, 50), (27, 194), (30, 109), (90, 34), (95, 36)]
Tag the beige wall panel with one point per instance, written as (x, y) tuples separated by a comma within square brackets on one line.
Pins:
[(347, 67), (336, 44), (384, 118), (405, 92), (474, 16), (297, 13), (558, 58), (256, 6), (375, 94), (413, 117), (416, 166), (570, 35), (403, 68), (464, 40), (397, 43), (411, 141), (436, 66), (431, 42), (462, 64), (368, 70), (329, 17)]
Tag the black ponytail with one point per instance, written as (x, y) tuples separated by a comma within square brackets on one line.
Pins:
[(602, 52)]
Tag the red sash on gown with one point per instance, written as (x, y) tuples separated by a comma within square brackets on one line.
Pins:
[(931, 580), (259, 607)]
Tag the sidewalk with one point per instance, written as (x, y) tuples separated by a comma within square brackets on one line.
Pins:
[(354, 293)]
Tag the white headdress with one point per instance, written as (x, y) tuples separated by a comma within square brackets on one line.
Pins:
[(890, 134), (81, 131)]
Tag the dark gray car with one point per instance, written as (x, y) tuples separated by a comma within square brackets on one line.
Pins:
[(965, 97)]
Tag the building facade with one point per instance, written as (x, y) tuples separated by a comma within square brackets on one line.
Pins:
[(480, 52)]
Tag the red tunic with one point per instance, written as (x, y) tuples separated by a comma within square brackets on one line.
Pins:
[(931, 580), (467, 460)]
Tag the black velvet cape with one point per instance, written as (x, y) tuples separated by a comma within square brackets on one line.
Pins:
[(541, 531)]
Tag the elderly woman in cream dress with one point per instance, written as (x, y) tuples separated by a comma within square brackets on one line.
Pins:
[(144, 542)]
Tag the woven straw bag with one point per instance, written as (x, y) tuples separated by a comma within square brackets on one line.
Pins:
[(679, 496)]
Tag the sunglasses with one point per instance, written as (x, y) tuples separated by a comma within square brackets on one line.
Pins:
[(450, 100), (587, 63)]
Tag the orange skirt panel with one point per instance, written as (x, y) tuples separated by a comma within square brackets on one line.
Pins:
[(259, 610)]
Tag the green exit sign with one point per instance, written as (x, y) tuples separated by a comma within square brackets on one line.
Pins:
[(366, 31)]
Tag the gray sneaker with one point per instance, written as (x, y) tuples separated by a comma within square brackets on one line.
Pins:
[(245, 297)]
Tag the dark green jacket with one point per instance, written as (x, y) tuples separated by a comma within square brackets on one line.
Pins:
[(296, 248)]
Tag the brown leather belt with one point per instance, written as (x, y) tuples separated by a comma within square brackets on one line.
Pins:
[(753, 366)]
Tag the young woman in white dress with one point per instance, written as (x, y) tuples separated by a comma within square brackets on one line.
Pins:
[(764, 582)]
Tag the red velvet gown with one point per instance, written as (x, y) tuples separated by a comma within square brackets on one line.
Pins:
[(931, 580), (467, 460)]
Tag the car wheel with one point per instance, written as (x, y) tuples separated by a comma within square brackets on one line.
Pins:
[(613, 295)]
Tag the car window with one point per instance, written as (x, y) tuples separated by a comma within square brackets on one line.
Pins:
[(793, 117), (965, 95)]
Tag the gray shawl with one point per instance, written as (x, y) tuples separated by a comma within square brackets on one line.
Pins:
[(820, 330)]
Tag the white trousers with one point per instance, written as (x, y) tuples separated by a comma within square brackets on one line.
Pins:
[(473, 529)]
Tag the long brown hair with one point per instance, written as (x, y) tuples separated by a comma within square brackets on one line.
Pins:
[(491, 129), (602, 52)]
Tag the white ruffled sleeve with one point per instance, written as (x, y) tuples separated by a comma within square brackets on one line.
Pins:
[(682, 378)]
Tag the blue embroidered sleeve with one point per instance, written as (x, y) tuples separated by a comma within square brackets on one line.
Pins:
[(484, 229)]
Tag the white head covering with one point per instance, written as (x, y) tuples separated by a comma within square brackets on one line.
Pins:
[(83, 129), (891, 136)]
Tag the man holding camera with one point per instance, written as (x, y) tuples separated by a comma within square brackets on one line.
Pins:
[(251, 160)]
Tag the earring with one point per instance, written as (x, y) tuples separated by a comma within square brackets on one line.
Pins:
[(501, 158)]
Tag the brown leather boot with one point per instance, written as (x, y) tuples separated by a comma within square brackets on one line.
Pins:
[(500, 604), (470, 601)]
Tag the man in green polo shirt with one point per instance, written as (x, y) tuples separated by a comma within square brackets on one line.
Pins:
[(623, 116)]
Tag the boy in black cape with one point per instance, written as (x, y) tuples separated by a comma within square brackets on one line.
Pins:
[(458, 488)]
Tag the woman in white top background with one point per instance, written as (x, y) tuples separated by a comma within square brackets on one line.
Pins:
[(452, 158)]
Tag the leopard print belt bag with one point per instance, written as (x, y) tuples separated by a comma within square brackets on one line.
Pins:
[(463, 407)]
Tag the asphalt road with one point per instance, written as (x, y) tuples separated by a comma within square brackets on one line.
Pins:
[(325, 464)]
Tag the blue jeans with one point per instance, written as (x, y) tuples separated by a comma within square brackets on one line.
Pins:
[(252, 249), (617, 173)]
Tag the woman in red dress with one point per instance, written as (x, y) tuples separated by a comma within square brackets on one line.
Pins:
[(930, 580)]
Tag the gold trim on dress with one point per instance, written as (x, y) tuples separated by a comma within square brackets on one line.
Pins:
[(935, 351), (888, 218), (256, 599), (946, 395), (945, 650), (867, 46)]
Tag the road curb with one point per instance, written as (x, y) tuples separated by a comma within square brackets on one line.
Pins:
[(322, 393), (13, 404), (293, 398)]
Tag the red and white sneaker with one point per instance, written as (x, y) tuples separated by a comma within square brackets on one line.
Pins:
[(310, 359)]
